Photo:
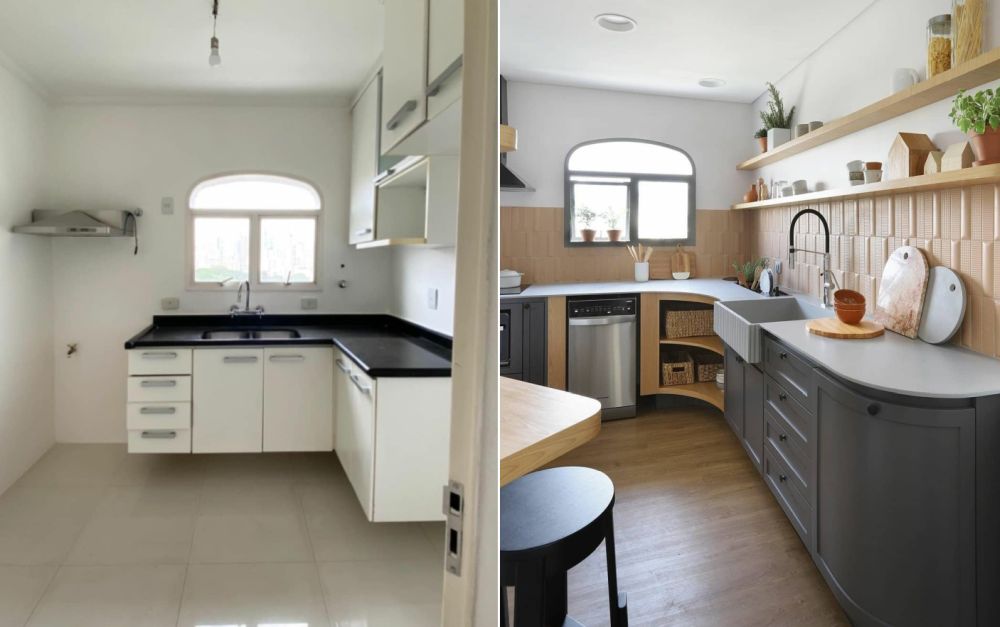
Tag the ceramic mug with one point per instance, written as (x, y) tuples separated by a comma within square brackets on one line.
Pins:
[(903, 77), (855, 166), (800, 186), (815, 124), (873, 176), (642, 271)]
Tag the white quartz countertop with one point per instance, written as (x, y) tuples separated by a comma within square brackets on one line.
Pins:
[(717, 288)]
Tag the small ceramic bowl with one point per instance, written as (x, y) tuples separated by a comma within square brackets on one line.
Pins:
[(848, 297), (873, 165), (800, 186), (855, 166), (873, 176), (849, 316), (680, 276)]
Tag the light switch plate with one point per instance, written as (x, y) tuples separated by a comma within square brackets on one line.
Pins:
[(170, 303), (309, 303), (432, 298), (167, 205)]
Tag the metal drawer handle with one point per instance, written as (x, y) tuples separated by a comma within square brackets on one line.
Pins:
[(435, 86), (873, 409), (361, 232), (240, 360), (782, 437), (287, 358), (159, 355), (159, 435), (504, 364), (155, 383), (158, 410), (365, 389), (783, 355), (405, 110), (343, 367), (782, 478), (782, 396)]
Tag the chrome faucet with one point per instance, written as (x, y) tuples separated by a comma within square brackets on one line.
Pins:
[(235, 309), (826, 274)]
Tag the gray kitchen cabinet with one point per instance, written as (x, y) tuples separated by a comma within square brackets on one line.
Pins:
[(744, 401), (523, 340), (733, 394)]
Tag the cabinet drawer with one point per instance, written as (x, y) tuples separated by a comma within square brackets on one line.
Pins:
[(159, 361), (158, 415), (790, 447), (159, 441), (779, 401), (159, 389), (796, 507), (790, 371)]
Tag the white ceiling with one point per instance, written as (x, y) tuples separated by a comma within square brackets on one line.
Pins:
[(676, 43), (157, 50)]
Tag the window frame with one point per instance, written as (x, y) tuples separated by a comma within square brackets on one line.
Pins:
[(633, 197), (254, 216)]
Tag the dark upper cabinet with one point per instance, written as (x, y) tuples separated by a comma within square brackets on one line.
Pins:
[(523, 339)]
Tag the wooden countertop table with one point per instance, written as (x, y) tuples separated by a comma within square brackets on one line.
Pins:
[(538, 424)]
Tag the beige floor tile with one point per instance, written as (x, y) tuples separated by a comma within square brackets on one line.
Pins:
[(250, 538), (383, 594), (75, 465), (150, 500), (250, 469), (20, 589), (38, 526), (111, 596), (247, 499), (254, 594), (134, 540), (170, 470)]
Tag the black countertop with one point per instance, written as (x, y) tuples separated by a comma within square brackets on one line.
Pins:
[(383, 345)]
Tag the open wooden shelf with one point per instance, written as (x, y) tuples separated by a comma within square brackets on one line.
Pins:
[(508, 138), (976, 175), (982, 69), (708, 392), (708, 342)]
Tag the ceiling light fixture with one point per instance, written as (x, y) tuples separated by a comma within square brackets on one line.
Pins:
[(215, 59), (615, 22), (711, 83)]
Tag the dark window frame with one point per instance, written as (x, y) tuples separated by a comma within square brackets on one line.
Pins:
[(633, 196)]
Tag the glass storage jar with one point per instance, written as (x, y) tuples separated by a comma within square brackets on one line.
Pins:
[(967, 25), (938, 44)]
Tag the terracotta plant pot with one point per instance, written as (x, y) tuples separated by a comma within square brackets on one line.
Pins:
[(763, 143), (588, 235), (751, 196), (987, 146), (614, 235)]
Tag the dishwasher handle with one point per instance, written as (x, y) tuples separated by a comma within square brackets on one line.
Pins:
[(598, 322)]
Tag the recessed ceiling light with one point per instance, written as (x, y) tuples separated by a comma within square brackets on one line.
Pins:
[(615, 22), (711, 82)]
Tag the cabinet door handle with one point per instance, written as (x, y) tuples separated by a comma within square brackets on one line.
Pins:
[(873, 408), (408, 107), (782, 396), (783, 355), (157, 383), (381, 176), (159, 355), (158, 410), (435, 85), (364, 231), (247, 359), (782, 437), (782, 478), (287, 358), (159, 435), (365, 389), (343, 367)]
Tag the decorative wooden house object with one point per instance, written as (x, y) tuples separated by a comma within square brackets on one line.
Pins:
[(908, 154), (933, 163), (957, 157)]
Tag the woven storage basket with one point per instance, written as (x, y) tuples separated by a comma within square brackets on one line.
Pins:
[(706, 366), (688, 322), (678, 368)]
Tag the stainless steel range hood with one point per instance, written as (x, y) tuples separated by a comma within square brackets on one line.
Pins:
[(114, 223)]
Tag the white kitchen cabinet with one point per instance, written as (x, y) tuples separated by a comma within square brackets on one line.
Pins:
[(364, 162), (404, 70), (153, 361), (356, 431), (298, 399), (158, 408), (227, 399), (444, 55)]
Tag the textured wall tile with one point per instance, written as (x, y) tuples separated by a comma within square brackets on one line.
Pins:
[(884, 216), (876, 262), (936, 215), (859, 260)]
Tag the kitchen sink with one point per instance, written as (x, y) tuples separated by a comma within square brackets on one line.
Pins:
[(738, 322), (225, 335), (251, 334), (276, 334)]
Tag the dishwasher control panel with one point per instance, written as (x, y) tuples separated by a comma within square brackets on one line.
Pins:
[(602, 307)]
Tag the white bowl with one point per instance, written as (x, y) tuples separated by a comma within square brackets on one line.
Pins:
[(510, 278), (680, 276)]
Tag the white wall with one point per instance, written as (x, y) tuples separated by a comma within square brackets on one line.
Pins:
[(25, 285), (551, 119), (853, 69), (415, 271), (120, 157)]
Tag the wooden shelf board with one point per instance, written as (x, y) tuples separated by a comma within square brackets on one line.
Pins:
[(976, 175), (708, 342), (972, 73), (508, 138), (393, 241), (708, 392)]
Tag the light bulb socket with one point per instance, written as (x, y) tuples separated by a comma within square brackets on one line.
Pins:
[(215, 58)]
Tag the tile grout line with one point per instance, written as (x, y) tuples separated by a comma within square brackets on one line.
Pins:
[(48, 586), (312, 550)]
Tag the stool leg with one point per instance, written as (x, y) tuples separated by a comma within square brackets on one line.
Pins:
[(529, 595), (555, 600), (618, 607), (504, 620)]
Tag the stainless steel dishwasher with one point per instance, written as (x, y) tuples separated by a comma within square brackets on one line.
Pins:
[(601, 352)]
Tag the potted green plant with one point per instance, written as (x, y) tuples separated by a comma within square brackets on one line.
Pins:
[(611, 220), (586, 215), (761, 136), (978, 115), (778, 125)]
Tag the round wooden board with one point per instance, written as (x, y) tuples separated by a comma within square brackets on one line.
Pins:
[(833, 327)]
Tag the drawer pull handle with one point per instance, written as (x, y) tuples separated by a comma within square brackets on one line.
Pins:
[(782, 396), (362, 232), (782, 437), (782, 478), (154, 383), (873, 409), (408, 106), (343, 367), (783, 355), (249, 359), (158, 410), (287, 358), (159, 355), (365, 389), (434, 87), (159, 435)]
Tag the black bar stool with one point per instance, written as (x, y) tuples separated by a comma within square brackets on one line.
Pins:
[(550, 521)]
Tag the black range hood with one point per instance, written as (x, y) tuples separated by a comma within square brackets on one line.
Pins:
[(509, 182)]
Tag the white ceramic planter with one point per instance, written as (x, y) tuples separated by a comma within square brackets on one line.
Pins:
[(777, 137)]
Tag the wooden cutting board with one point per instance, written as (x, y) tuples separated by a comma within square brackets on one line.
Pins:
[(901, 294), (833, 327)]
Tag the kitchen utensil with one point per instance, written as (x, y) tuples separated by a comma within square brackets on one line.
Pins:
[(510, 278), (849, 315), (849, 297), (903, 77), (873, 176), (901, 295), (944, 306), (768, 285), (833, 328), (680, 261)]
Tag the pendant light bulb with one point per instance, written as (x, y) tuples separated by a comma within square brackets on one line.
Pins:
[(215, 59)]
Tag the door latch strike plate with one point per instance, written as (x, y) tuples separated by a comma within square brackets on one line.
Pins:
[(453, 506)]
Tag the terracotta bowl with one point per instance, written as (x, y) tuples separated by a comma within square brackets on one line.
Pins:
[(873, 165), (849, 316), (848, 297)]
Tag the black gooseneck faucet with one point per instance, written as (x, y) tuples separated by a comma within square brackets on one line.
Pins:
[(827, 275)]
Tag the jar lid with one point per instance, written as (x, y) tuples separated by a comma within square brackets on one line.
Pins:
[(940, 20)]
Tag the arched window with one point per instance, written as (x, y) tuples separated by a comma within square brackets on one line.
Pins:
[(628, 191), (260, 228)]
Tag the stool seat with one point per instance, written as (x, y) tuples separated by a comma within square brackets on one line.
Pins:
[(549, 506)]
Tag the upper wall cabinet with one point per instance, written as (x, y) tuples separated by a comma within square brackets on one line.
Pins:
[(364, 162), (404, 70), (444, 56)]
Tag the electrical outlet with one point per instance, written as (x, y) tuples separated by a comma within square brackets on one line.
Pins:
[(309, 303), (170, 303), (432, 298), (777, 266), (167, 205)]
